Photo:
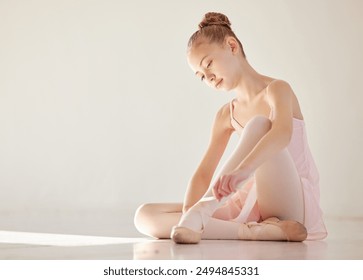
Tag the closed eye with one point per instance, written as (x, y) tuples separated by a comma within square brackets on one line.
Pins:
[(209, 64)]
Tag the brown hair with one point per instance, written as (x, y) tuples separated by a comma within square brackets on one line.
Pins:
[(214, 27)]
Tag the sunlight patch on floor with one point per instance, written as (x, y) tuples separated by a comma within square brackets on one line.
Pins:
[(50, 239)]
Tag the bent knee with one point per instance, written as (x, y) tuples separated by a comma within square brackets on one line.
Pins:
[(144, 219), (142, 215)]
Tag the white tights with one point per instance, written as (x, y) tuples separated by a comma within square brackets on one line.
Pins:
[(278, 196), (267, 177)]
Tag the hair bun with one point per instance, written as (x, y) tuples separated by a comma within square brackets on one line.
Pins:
[(214, 19)]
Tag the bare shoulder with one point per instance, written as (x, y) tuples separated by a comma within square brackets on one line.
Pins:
[(279, 87), (223, 112), (280, 95), (222, 118)]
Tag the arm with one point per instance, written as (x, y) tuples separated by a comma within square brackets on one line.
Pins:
[(278, 137), (199, 183), (279, 97)]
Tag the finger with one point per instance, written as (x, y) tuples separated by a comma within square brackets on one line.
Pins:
[(223, 193), (225, 183), (219, 193), (225, 189), (215, 189), (216, 194), (231, 187)]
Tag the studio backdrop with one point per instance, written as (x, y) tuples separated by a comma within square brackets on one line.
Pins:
[(100, 112)]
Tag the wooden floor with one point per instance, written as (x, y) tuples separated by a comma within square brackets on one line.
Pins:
[(121, 241)]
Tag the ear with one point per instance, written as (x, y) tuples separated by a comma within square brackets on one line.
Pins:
[(232, 44)]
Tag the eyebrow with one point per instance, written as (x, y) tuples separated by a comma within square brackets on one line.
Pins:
[(200, 64)]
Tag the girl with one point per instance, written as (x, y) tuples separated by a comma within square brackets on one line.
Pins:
[(269, 187)]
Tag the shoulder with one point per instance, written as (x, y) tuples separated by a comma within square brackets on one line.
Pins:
[(279, 90), (279, 87), (222, 118), (224, 111)]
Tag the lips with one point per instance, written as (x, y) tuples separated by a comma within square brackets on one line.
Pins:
[(218, 83)]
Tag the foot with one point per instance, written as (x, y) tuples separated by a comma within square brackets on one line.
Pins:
[(190, 227), (273, 229), (183, 235), (293, 230)]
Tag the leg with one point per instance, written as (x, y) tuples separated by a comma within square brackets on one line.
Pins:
[(279, 189), (200, 213), (254, 130), (271, 229), (288, 204), (157, 219)]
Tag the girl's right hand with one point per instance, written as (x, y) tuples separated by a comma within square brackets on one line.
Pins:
[(228, 183)]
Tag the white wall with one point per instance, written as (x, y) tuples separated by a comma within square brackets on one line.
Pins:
[(99, 110)]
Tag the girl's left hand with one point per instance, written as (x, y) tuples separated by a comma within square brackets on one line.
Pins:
[(228, 183)]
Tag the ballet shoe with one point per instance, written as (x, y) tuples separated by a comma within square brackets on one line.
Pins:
[(273, 229), (183, 235), (293, 230)]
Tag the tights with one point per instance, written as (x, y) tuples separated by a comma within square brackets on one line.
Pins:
[(277, 196)]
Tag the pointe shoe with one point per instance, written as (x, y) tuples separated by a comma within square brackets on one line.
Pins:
[(273, 229), (183, 235)]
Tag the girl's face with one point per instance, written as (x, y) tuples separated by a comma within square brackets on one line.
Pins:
[(216, 64)]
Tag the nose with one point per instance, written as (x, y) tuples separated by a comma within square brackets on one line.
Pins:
[(211, 78)]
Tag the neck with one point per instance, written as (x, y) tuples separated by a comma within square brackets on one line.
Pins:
[(250, 83)]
